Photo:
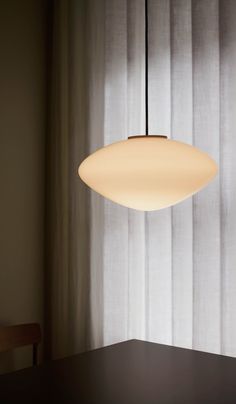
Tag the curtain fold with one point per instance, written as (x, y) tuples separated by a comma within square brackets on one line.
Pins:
[(114, 273), (67, 276)]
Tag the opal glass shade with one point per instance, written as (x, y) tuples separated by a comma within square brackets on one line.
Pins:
[(147, 172)]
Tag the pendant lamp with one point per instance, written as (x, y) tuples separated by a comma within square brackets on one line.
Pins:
[(147, 172)]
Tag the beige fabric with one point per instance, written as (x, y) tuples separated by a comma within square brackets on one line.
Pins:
[(67, 253)]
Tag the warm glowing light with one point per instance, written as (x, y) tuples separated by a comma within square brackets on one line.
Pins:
[(147, 172)]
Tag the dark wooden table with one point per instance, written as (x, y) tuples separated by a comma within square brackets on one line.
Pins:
[(132, 372)]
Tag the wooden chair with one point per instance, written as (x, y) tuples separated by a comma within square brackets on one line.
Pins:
[(16, 336)]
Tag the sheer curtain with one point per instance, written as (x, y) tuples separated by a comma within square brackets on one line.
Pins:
[(113, 273)]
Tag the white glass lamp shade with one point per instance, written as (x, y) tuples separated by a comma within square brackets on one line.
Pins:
[(147, 172)]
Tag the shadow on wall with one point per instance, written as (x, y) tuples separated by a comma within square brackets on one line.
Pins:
[(16, 359), (11, 361), (6, 362)]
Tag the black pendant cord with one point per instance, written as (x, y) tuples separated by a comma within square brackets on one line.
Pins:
[(146, 82), (146, 67)]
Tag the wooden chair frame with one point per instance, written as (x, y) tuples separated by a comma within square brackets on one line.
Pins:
[(16, 336)]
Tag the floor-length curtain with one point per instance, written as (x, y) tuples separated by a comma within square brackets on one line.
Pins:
[(167, 276), (67, 306)]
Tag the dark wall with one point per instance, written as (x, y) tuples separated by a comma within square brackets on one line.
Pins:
[(22, 152)]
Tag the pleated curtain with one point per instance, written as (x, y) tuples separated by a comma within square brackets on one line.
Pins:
[(114, 273)]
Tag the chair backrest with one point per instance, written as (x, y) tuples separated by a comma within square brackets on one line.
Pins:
[(16, 336)]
